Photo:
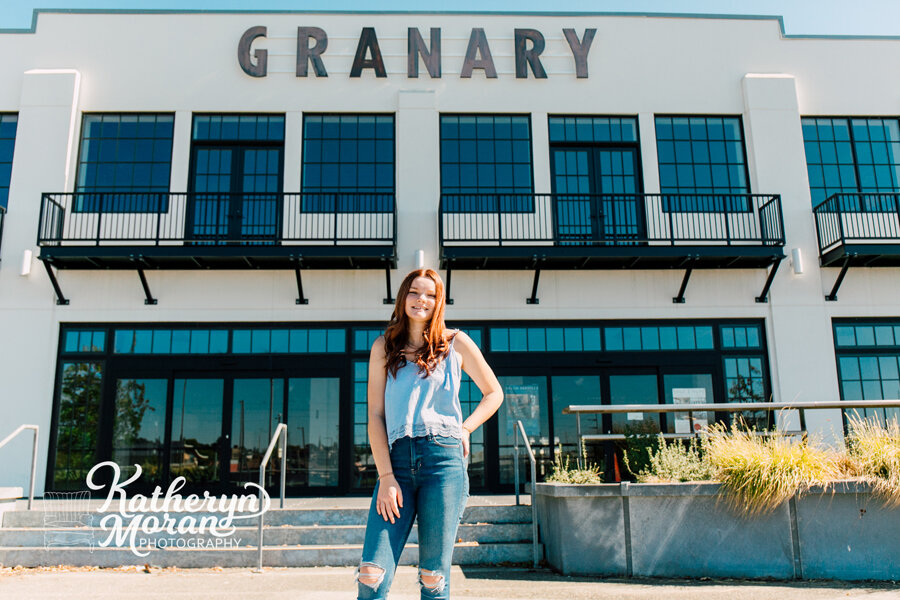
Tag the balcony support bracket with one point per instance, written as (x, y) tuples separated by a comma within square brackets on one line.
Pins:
[(534, 286), (387, 280), (149, 299), (60, 299), (449, 300), (832, 297), (301, 299), (679, 299), (764, 295)]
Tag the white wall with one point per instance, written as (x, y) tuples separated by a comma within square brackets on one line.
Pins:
[(186, 63)]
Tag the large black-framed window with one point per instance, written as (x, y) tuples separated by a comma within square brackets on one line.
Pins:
[(702, 162), (348, 162), (126, 157), (8, 125), (853, 155), (486, 163), (868, 361)]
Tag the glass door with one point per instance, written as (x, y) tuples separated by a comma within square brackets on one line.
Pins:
[(595, 189), (636, 386), (199, 442), (235, 194), (525, 399)]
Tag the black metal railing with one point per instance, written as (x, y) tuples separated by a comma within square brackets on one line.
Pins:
[(870, 217), (612, 219), (114, 218)]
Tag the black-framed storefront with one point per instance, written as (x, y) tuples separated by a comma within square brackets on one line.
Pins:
[(201, 400)]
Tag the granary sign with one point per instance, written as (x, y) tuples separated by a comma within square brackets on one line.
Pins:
[(312, 44)]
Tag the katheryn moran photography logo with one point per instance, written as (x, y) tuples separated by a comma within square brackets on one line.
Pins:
[(171, 520)]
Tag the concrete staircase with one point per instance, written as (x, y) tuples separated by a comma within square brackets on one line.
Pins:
[(490, 533)]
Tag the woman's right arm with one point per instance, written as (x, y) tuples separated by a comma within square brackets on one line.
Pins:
[(389, 496)]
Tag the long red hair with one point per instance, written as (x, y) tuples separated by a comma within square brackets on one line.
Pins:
[(397, 333)]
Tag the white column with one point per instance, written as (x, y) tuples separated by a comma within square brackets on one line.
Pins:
[(293, 147), (801, 345), (44, 161), (418, 179), (649, 158), (181, 152), (540, 144)]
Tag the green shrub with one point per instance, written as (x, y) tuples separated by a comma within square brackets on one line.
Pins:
[(674, 461), (874, 453)]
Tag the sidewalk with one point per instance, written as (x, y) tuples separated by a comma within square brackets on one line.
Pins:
[(336, 583)]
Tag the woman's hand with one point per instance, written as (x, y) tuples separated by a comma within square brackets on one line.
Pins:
[(390, 498), (465, 442)]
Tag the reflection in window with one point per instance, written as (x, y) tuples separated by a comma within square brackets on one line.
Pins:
[(127, 153), (196, 429), (365, 473), (139, 427), (484, 157), (353, 154), (8, 125), (846, 155), (745, 382), (313, 422), (84, 341), (545, 339), (78, 424), (701, 155), (576, 389), (683, 337), (593, 129), (740, 336), (525, 399)]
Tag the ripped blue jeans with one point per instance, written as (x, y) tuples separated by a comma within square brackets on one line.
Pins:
[(433, 478)]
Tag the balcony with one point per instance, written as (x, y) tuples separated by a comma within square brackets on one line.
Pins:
[(612, 231), (138, 231), (218, 230), (633, 231), (859, 230)]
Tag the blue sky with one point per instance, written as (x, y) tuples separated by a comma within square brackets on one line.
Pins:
[(801, 17)]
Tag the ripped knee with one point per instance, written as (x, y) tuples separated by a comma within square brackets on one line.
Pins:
[(369, 574), (433, 581)]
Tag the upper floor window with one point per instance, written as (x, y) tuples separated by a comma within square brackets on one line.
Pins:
[(129, 154), (486, 163), (702, 164), (852, 155), (348, 163), (8, 125)]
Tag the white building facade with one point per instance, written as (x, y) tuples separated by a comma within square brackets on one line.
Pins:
[(207, 215)]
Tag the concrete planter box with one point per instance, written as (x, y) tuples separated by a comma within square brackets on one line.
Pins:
[(687, 530)]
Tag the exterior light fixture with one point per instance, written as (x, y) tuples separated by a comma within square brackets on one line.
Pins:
[(420, 259), (797, 261), (26, 263)]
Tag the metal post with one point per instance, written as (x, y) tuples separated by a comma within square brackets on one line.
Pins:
[(580, 441), (284, 448), (33, 468), (516, 450)]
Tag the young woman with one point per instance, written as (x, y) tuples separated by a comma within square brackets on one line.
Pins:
[(419, 440)]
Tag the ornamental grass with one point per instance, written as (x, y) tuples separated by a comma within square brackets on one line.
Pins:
[(759, 473), (873, 450)]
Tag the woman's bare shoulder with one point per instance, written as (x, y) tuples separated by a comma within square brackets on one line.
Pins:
[(378, 345)]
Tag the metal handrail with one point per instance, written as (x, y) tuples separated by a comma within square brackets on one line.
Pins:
[(34, 446), (520, 429), (281, 430), (802, 407), (2, 218)]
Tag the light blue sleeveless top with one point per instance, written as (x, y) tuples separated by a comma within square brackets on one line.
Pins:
[(415, 406)]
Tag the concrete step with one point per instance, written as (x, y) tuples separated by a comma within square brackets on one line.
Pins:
[(274, 556), (483, 533), (277, 517)]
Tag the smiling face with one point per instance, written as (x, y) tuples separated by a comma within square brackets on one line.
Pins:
[(421, 299)]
